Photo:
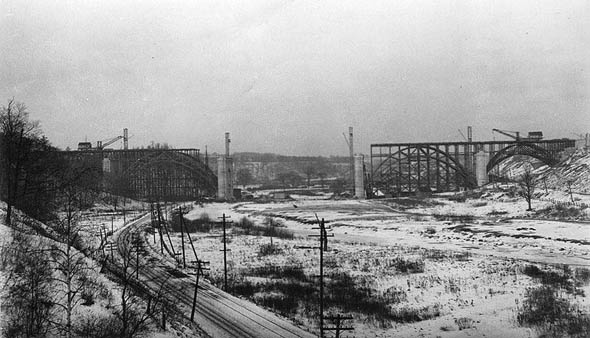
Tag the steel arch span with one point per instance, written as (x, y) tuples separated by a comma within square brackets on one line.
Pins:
[(420, 168), (408, 168), (152, 174), (169, 175), (529, 149)]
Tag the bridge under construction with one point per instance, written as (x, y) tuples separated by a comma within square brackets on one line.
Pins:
[(151, 174), (408, 168)]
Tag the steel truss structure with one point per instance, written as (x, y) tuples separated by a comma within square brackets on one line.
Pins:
[(151, 174), (407, 168)]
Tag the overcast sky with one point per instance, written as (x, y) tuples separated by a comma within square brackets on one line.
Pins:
[(290, 77)]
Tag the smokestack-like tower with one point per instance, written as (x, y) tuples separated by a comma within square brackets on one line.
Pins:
[(227, 141), (125, 139), (351, 149), (225, 173)]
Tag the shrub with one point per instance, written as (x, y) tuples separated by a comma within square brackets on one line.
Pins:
[(562, 211), (552, 278), (395, 295), (544, 309), (286, 305), (97, 326), (404, 265), (202, 224), (457, 198), (430, 231), (464, 323), (454, 218), (269, 249), (87, 297), (247, 227), (274, 271), (408, 314)]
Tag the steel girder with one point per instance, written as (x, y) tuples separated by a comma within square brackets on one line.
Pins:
[(165, 174), (169, 175), (420, 167), (402, 168), (529, 149)]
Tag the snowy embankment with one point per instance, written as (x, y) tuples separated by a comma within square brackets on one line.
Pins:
[(102, 295), (5, 238)]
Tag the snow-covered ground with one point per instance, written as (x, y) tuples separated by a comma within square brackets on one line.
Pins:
[(5, 237), (106, 293), (494, 237)]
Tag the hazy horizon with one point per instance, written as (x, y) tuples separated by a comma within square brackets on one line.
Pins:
[(290, 77)]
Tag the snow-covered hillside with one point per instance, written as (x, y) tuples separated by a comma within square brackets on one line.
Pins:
[(574, 171)]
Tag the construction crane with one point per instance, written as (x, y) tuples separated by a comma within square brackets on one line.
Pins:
[(512, 134), (532, 136), (103, 144)]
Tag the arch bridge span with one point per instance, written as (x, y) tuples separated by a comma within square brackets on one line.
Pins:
[(408, 168), (151, 174)]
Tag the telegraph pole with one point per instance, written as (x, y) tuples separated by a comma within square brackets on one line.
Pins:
[(182, 235), (224, 253), (138, 247), (338, 322), (200, 269), (224, 257), (323, 246), (159, 220)]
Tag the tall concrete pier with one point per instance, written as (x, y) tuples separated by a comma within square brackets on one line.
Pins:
[(481, 174), (225, 174), (359, 177)]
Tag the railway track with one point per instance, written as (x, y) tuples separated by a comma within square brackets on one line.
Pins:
[(218, 313)]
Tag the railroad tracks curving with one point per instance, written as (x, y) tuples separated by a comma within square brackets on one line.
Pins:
[(218, 313)]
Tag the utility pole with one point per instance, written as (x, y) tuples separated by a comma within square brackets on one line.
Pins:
[(338, 322), (225, 250), (159, 219), (173, 253), (182, 235), (200, 268), (137, 246), (323, 246)]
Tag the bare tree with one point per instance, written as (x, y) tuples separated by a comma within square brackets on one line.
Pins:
[(527, 184), (132, 317), (28, 308), (569, 184), (75, 186), (17, 133)]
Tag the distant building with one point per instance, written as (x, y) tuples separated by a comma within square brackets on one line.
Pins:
[(84, 146), (535, 135)]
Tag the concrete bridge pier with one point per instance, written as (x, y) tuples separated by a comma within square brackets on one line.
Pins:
[(359, 177), (481, 174), (221, 178), (225, 185)]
